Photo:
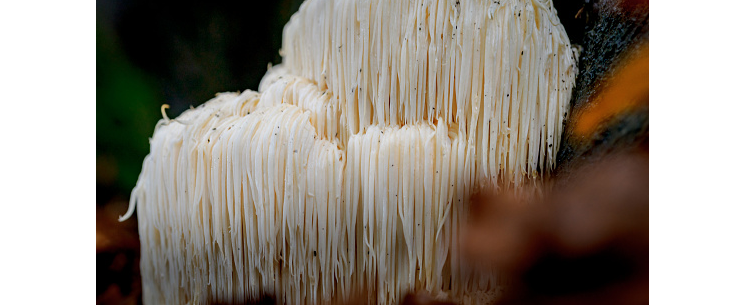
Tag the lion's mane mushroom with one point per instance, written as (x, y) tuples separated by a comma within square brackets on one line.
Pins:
[(350, 171)]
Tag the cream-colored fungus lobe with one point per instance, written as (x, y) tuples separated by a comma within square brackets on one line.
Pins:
[(351, 170)]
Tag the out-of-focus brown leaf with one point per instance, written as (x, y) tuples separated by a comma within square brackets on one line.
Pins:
[(585, 242)]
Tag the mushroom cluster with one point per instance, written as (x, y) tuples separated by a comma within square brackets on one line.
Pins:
[(350, 170)]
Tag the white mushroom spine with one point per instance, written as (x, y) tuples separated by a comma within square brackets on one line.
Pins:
[(351, 170)]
